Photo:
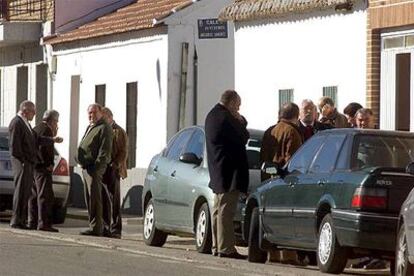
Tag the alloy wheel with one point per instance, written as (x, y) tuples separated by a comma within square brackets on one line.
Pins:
[(149, 221), (201, 228), (402, 255), (325, 243)]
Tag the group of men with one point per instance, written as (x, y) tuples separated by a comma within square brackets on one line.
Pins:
[(226, 137), (102, 154)]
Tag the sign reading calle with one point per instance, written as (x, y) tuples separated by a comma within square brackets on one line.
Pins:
[(212, 28)]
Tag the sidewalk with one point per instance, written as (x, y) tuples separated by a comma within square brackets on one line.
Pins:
[(82, 214)]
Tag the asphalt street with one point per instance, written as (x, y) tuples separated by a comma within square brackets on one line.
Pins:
[(24, 252)]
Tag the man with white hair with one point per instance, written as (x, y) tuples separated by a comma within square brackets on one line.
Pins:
[(308, 123)]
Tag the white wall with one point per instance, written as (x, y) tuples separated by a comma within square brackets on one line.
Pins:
[(215, 62), (115, 64), (305, 54)]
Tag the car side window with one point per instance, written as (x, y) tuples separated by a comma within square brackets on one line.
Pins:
[(176, 148), (304, 156), (196, 144), (328, 154)]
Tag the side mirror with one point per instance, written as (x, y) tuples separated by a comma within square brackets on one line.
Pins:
[(270, 168), (410, 168), (190, 158)]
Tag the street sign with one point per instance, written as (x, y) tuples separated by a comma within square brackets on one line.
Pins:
[(212, 28)]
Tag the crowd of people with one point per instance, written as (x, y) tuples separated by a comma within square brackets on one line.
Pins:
[(102, 154)]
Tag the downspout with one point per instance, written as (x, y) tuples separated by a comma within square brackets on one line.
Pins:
[(195, 85), (183, 85)]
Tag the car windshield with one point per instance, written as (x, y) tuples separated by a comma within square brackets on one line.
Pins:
[(377, 151), (4, 142)]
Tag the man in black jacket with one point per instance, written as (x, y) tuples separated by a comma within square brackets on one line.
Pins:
[(226, 138), (41, 201)]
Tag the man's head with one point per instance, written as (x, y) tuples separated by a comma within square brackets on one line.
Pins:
[(107, 115), (289, 112), (364, 118), (350, 111), (231, 100), (308, 113), (27, 109), (94, 113), (51, 117)]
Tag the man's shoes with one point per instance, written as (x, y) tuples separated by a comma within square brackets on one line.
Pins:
[(234, 255), (19, 226), (31, 226), (48, 229), (214, 253), (116, 235), (89, 232), (107, 234)]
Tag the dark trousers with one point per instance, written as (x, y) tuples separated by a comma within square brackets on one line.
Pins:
[(41, 200), (93, 198), (23, 183), (112, 201)]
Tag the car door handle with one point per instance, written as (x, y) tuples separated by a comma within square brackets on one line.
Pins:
[(173, 173), (156, 169), (321, 182)]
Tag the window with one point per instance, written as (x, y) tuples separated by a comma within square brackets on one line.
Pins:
[(41, 91), (326, 159), (331, 92), (285, 96), (178, 145), (131, 121), (100, 94), (302, 159), (196, 144)]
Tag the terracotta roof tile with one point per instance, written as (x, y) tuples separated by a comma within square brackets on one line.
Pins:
[(137, 16), (243, 10)]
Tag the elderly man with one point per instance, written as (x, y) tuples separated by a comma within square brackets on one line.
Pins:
[(308, 124), (24, 144), (226, 138), (364, 118), (41, 201), (330, 114), (94, 155), (116, 169)]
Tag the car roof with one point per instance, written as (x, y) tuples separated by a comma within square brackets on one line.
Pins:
[(377, 132)]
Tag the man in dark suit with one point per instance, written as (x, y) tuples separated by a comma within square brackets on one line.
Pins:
[(41, 201), (308, 123), (226, 138)]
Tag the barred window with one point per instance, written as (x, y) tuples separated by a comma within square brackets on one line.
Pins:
[(285, 96), (100, 94), (331, 92)]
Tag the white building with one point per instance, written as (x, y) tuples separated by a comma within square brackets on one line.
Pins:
[(294, 50), (143, 70)]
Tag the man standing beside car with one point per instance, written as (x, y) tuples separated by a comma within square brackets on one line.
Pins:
[(116, 170), (308, 123), (226, 138), (94, 155), (41, 201)]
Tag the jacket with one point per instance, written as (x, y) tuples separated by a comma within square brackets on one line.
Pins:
[(95, 148), (46, 153), (336, 120), (226, 139), (119, 150), (22, 142), (316, 127)]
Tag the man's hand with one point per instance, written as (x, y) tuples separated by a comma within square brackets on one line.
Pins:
[(57, 139), (327, 110)]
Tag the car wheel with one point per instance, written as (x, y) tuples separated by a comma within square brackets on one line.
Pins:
[(203, 230), (59, 215), (331, 256), (255, 253), (152, 236), (402, 265)]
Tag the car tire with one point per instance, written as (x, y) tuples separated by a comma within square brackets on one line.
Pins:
[(402, 266), (59, 215), (331, 257), (255, 253), (203, 230), (152, 236)]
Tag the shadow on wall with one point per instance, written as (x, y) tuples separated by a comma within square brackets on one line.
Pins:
[(132, 203), (76, 193)]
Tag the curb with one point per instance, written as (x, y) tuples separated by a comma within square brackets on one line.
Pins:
[(125, 220)]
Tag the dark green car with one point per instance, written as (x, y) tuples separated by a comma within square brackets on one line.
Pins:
[(339, 196)]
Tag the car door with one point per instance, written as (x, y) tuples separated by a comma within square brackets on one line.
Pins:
[(185, 180), (311, 188), (278, 201), (162, 173)]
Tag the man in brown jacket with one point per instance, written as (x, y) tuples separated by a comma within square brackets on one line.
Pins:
[(280, 142), (330, 114), (116, 169)]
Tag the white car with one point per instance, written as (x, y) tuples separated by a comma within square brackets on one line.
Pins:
[(61, 180)]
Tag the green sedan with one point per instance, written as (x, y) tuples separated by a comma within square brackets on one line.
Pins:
[(176, 197), (339, 196)]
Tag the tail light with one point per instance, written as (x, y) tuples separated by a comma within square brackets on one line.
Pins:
[(369, 198), (62, 168)]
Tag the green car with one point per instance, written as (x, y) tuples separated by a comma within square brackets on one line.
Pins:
[(176, 198), (339, 196)]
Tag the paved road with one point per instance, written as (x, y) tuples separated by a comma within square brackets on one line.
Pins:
[(25, 252)]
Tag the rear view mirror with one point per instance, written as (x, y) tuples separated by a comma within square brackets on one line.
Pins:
[(410, 168), (190, 158), (270, 168)]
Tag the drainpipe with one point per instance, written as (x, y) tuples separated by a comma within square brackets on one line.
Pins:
[(183, 85), (195, 85)]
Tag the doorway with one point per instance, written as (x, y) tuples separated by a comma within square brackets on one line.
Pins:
[(402, 91)]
